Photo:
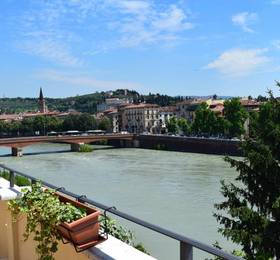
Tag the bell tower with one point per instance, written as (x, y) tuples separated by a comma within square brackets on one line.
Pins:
[(42, 102)]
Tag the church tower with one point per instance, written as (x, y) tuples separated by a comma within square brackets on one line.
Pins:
[(42, 102)]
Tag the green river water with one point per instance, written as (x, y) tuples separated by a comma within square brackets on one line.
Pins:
[(174, 190)]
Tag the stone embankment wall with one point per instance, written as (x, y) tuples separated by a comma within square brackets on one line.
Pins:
[(182, 144), (188, 144)]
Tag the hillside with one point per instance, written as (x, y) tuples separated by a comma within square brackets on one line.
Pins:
[(83, 103)]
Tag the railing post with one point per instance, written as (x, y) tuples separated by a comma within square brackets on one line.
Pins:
[(12, 179), (186, 251)]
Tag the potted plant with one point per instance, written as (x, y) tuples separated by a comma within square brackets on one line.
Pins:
[(83, 232), (50, 215)]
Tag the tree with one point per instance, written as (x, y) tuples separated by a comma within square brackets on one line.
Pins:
[(172, 125), (70, 122), (253, 119), (261, 98), (53, 124), (235, 115), (86, 122), (250, 215), (39, 124), (184, 125), (105, 124), (205, 121), (26, 126)]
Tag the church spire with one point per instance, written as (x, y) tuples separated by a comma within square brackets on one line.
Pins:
[(41, 97), (42, 103)]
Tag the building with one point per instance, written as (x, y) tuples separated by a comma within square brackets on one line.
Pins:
[(42, 103), (165, 114), (186, 109), (217, 106), (112, 103), (139, 118), (250, 105), (113, 115)]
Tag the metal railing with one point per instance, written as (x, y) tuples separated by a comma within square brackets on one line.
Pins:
[(186, 244)]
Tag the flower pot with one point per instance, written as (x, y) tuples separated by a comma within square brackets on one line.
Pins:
[(82, 233)]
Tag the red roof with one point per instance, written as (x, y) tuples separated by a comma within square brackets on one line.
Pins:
[(141, 105)]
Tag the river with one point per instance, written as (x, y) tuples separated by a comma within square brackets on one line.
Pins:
[(171, 189)]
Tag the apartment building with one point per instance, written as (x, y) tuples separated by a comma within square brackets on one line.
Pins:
[(139, 118), (165, 114), (113, 115), (186, 109)]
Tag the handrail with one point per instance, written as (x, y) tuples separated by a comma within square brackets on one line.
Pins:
[(186, 243)]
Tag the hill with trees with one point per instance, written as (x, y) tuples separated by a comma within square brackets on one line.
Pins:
[(84, 103)]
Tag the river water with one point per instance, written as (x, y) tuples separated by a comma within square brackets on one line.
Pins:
[(173, 190)]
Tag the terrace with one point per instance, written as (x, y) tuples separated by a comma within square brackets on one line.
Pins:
[(13, 247)]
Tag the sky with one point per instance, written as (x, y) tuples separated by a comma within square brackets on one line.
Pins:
[(174, 47)]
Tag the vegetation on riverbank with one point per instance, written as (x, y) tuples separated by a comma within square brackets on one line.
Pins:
[(43, 124), (86, 148)]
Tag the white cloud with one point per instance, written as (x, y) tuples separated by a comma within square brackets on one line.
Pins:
[(174, 19), (51, 50), (135, 7), (244, 20), (276, 44), (63, 31), (238, 62), (275, 2), (82, 80), (149, 25)]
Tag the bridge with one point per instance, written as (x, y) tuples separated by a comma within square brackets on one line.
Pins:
[(17, 143)]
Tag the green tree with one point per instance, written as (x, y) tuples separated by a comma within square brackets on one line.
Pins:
[(86, 122), (70, 122), (53, 124), (27, 127), (235, 116), (172, 125), (250, 214), (253, 119), (40, 124), (184, 125), (105, 124), (205, 121)]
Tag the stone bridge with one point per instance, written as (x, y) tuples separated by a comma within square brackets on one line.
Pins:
[(17, 143)]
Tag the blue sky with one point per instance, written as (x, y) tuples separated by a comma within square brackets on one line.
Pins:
[(180, 47)]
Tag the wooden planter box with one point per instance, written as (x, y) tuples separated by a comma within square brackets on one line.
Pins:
[(82, 233)]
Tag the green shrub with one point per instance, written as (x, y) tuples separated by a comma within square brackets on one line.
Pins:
[(19, 180), (86, 148)]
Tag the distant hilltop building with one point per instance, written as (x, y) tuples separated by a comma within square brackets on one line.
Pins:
[(42, 103), (112, 103)]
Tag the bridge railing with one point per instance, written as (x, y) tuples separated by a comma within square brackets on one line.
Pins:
[(186, 244)]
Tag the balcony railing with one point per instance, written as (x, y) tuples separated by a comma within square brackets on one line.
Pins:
[(186, 244)]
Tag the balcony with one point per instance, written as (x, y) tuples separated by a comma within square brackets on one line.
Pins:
[(13, 246)]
